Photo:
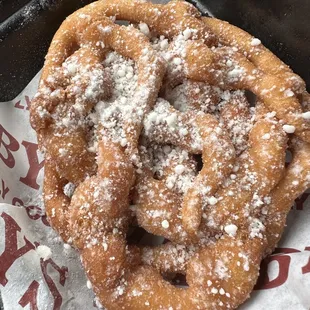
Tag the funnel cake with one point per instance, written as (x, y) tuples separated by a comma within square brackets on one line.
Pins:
[(152, 124)]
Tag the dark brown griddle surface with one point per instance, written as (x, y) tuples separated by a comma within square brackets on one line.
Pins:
[(27, 28)]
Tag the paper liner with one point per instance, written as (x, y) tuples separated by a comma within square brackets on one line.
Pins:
[(30, 278)]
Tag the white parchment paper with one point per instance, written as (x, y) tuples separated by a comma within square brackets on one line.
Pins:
[(38, 272)]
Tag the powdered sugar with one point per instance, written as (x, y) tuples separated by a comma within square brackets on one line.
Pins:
[(255, 42), (256, 228), (289, 128), (110, 115), (174, 165), (221, 270), (163, 124), (231, 229), (306, 115), (69, 189), (143, 27), (165, 224), (44, 252)]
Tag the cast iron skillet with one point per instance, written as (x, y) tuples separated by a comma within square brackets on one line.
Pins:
[(27, 28)]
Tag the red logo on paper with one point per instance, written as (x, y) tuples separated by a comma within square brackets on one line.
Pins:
[(300, 201), (10, 145), (33, 212), (306, 268), (63, 271), (4, 189), (34, 166), (30, 297), (31, 294), (11, 251), (283, 261), (20, 104)]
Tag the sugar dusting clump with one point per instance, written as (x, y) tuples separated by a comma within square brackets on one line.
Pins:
[(212, 200), (44, 252), (144, 28), (306, 115), (69, 189), (231, 229), (89, 285), (255, 42), (165, 224), (289, 128)]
